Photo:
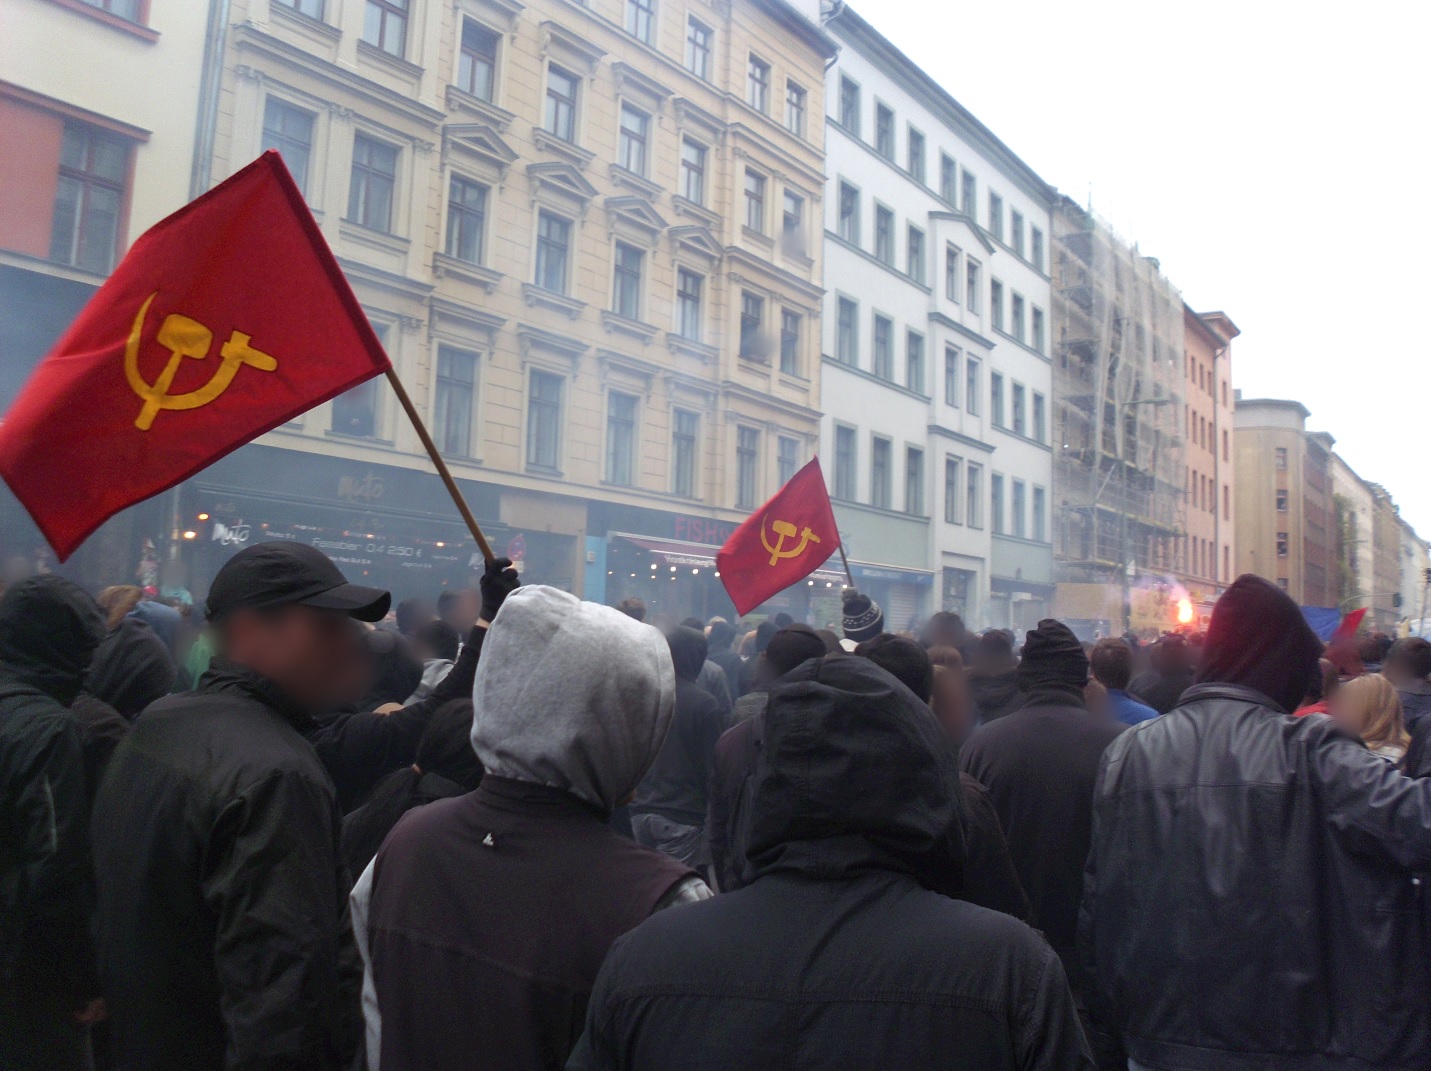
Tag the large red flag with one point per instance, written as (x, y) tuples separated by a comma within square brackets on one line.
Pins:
[(224, 321), (781, 543)]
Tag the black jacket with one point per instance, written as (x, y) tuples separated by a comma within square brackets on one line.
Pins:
[(360, 749), (131, 669), (48, 631), (846, 951), (1160, 691), (1415, 702), (223, 902), (995, 695), (677, 784)]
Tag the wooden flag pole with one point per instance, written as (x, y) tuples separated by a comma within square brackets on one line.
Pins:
[(447, 480)]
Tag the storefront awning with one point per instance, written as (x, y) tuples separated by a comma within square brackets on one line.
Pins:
[(703, 555)]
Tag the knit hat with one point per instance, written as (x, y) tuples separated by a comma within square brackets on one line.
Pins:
[(864, 620), (1052, 657)]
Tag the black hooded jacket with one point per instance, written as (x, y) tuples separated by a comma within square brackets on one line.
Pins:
[(677, 785), (995, 695), (1248, 902), (131, 669), (48, 631), (846, 950), (223, 914)]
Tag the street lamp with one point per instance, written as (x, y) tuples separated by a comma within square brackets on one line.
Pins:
[(1124, 563)]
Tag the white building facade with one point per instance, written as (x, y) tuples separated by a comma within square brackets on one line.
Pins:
[(936, 379)]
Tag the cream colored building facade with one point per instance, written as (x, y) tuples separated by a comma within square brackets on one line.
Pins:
[(588, 237)]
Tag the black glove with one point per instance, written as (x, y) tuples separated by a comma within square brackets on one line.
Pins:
[(498, 581)]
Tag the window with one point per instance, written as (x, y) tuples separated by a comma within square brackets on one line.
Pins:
[(1040, 515), (971, 284), (787, 458), (914, 481), (685, 434), (790, 341), (452, 406), (1016, 315), (626, 281), (884, 235), (951, 273), (850, 105), (914, 255), (951, 375), (1017, 504), (1281, 501), (1039, 433), (914, 361), (884, 131), (1036, 248), (477, 62), (1036, 339), (1225, 455), (792, 224), (466, 219), (996, 503), (129, 9), (641, 19), (693, 171), (996, 398), (553, 251), (385, 25), (1019, 409), (1016, 231), (996, 304), (1281, 459), (795, 108), (1282, 544), (370, 189), (845, 463), (757, 85), (974, 496), (88, 198), (879, 473), (355, 412), (755, 201), (971, 386), (951, 490), (688, 304), (914, 156), (561, 103), (290, 131), (747, 460), (635, 134), (848, 225), (996, 215), (544, 420), (620, 438), (752, 317), (1226, 502), (883, 347), (969, 194), (948, 179), (847, 328), (698, 49)]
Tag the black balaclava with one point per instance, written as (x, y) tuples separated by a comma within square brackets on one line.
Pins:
[(1054, 668), (49, 629), (1259, 639)]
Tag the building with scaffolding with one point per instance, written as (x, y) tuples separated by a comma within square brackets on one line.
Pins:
[(1119, 473)]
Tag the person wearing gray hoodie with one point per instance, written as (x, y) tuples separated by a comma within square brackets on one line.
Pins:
[(484, 919)]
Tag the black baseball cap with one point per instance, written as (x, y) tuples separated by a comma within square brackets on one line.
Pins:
[(281, 574)]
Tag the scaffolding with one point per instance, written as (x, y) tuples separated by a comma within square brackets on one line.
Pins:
[(1119, 416)]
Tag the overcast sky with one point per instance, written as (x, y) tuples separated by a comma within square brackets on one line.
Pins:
[(1272, 156)]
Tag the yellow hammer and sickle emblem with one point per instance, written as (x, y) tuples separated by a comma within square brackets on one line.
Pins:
[(184, 337), (784, 530)]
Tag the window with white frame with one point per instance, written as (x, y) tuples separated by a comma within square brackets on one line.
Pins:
[(1016, 316), (544, 408), (914, 361), (454, 400), (884, 235), (795, 102), (883, 347), (948, 179), (974, 495), (850, 105), (847, 332), (747, 467), (689, 315), (757, 84), (972, 273), (951, 375), (914, 155), (951, 273), (477, 60), (1036, 338), (289, 129), (1016, 231), (996, 215), (952, 466), (699, 38), (627, 278), (972, 392), (847, 224), (845, 462), (790, 322), (996, 304), (752, 323), (633, 142), (553, 251), (884, 131), (685, 439), (755, 201), (466, 219), (641, 19), (385, 25), (914, 255), (620, 438), (914, 481), (693, 171), (880, 475), (787, 458), (1018, 509), (372, 183), (562, 90), (792, 224), (1039, 431)]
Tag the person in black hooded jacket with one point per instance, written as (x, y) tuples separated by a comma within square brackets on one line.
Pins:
[(49, 989), (669, 811), (1248, 902), (847, 950)]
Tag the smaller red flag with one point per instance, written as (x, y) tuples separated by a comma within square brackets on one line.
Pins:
[(222, 322), (781, 543), (1349, 624)]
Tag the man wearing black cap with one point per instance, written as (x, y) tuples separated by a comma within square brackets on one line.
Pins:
[(223, 900), (1039, 764)]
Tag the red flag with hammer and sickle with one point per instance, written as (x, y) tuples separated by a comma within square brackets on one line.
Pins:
[(223, 321), (781, 543)]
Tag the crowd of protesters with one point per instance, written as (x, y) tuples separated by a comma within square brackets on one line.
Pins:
[(299, 827)]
